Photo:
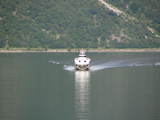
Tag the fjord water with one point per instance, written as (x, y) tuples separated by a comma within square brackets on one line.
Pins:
[(45, 86)]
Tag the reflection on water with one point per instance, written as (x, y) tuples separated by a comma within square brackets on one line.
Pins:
[(82, 79)]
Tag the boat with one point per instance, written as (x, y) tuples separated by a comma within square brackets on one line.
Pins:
[(82, 62)]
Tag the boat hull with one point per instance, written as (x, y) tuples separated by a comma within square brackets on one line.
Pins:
[(82, 68), (82, 62)]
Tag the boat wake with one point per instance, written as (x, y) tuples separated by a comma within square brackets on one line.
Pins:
[(115, 64), (54, 62), (69, 67), (102, 64)]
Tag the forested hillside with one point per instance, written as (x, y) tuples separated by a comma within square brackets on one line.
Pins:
[(79, 23)]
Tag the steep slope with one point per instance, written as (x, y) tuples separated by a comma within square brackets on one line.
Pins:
[(145, 10), (130, 18), (73, 24)]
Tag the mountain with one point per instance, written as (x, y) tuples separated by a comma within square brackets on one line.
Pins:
[(80, 23)]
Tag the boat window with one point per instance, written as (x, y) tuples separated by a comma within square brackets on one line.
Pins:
[(82, 56)]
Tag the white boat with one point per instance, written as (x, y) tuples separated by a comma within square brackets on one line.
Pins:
[(82, 62)]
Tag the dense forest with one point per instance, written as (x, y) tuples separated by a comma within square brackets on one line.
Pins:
[(79, 24)]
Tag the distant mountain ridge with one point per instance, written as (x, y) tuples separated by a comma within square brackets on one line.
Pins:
[(80, 24)]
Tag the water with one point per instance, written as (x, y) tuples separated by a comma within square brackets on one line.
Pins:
[(45, 86)]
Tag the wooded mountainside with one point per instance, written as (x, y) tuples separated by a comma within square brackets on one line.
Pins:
[(79, 24)]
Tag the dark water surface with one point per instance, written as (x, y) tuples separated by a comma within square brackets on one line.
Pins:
[(44, 86)]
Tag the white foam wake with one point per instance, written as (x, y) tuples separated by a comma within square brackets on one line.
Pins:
[(114, 64)]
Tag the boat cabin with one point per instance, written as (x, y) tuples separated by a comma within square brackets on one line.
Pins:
[(82, 54)]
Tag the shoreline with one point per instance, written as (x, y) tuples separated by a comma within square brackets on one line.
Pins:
[(16, 50)]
